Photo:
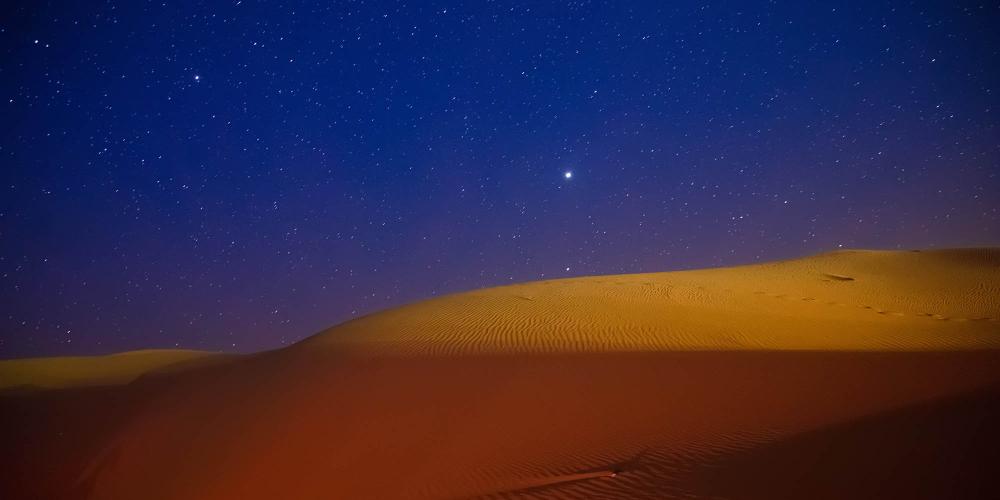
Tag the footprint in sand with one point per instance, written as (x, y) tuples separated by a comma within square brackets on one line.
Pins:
[(837, 277)]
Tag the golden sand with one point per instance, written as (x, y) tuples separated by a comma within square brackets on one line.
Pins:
[(849, 300)]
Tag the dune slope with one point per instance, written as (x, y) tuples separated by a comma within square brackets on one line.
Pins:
[(666, 385)]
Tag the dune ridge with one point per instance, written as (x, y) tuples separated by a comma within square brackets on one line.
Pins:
[(944, 299)]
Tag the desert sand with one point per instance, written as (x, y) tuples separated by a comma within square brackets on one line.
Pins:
[(84, 371), (853, 374)]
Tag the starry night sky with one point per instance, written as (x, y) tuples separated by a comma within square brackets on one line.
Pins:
[(238, 175)]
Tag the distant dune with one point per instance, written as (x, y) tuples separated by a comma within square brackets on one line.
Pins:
[(852, 374), (82, 371)]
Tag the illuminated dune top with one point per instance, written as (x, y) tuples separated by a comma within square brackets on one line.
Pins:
[(845, 300)]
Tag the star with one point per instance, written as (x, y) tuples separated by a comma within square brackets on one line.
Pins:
[(568, 174)]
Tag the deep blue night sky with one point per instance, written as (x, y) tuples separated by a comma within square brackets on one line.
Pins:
[(238, 175)]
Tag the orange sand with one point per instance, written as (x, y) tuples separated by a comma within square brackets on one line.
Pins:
[(846, 375)]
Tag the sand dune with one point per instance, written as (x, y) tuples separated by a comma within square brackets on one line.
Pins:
[(667, 385), (850, 300), (84, 371)]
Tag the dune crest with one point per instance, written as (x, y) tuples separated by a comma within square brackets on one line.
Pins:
[(847, 300)]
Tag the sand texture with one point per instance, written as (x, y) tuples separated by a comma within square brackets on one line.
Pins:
[(854, 374)]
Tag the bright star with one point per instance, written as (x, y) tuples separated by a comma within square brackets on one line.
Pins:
[(197, 78), (568, 175)]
